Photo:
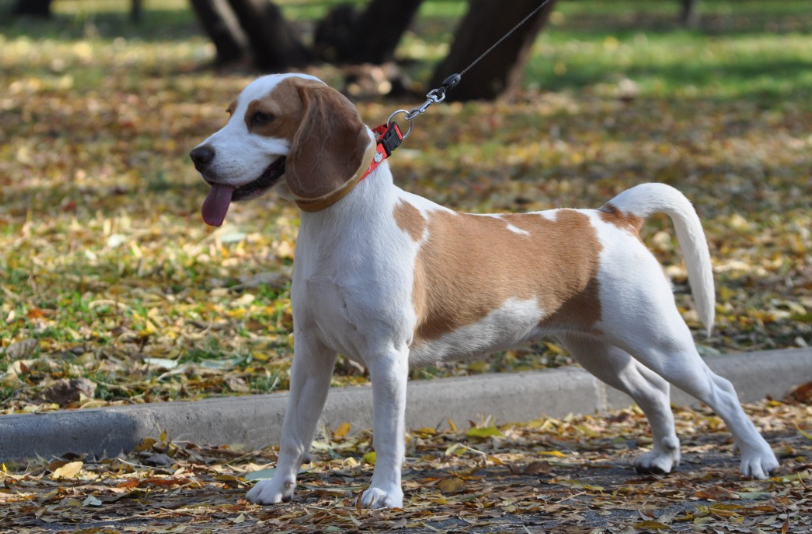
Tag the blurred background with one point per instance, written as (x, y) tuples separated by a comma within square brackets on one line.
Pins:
[(109, 279)]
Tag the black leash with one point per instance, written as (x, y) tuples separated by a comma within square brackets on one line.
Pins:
[(435, 96)]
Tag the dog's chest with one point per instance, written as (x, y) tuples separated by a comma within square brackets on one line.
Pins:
[(354, 291)]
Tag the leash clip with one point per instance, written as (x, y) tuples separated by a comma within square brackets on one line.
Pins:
[(435, 96)]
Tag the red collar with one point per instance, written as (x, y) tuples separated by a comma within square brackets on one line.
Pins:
[(389, 138)]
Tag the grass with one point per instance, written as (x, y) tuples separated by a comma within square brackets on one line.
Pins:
[(106, 263)]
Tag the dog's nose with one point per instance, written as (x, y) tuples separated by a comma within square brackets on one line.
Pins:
[(202, 155)]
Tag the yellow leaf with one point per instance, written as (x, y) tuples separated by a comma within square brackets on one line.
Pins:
[(145, 445), (554, 348), (342, 429), (451, 485), (484, 432), (652, 525), (370, 457), (552, 453), (456, 448), (67, 471), (807, 435), (727, 507), (452, 426)]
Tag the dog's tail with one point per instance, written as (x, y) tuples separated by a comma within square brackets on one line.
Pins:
[(645, 199)]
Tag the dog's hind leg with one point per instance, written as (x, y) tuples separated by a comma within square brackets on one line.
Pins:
[(617, 368), (664, 344), (309, 382)]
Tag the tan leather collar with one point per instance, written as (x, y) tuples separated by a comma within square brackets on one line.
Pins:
[(318, 204)]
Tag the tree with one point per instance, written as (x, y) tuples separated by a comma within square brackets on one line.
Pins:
[(502, 70), (274, 44), (136, 11), (223, 28), (689, 15), (42, 8), (371, 36), (34, 8)]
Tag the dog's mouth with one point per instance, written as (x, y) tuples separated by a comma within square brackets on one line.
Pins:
[(220, 196)]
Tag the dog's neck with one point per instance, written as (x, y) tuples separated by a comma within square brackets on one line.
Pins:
[(369, 201)]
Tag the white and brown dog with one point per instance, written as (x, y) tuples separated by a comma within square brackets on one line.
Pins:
[(393, 280)]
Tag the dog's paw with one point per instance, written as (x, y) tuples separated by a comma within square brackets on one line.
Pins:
[(380, 498), (658, 464), (758, 464), (661, 460), (271, 492)]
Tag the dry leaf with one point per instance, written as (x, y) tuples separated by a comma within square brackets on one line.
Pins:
[(342, 430), (69, 470), (451, 485)]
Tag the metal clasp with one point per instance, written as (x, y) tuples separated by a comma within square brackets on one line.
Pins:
[(435, 96)]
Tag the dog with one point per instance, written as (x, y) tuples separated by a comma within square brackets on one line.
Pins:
[(393, 280)]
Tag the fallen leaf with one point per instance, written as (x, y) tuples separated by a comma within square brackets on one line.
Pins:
[(68, 470), (485, 432), (65, 392), (451, 485), (91, 501), (652, 525), (342, 430)]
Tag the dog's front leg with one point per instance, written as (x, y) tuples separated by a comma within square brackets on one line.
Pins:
[(309, 381), (388, 373)]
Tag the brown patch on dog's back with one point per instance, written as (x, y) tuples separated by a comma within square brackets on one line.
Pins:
[(409, 219), (470, 265), (612, 215)]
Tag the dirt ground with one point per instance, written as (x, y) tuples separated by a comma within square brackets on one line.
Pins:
[(570, 475)]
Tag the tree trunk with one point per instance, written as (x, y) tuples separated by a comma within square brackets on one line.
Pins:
[(345, 36), (689, 15), (137, 11), (222, 27), (272, 40), (500, 71), (33, 8)]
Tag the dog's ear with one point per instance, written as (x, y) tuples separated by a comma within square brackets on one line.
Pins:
[(329, 145)]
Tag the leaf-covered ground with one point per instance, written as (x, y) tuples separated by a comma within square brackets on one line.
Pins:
[(109, 278), (568, 475)]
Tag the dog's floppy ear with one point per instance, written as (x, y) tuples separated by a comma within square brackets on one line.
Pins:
[(329, 145)]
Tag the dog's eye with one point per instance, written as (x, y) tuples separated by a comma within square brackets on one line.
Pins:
[(260, 117)]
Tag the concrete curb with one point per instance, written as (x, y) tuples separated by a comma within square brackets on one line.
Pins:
[(256, 420)]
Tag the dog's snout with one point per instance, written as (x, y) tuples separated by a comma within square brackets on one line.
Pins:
[(202, 156)]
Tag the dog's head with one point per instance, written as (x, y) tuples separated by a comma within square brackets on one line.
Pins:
[(291, 128)]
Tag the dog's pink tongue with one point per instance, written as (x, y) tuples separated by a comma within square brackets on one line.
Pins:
[(216, 204)]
